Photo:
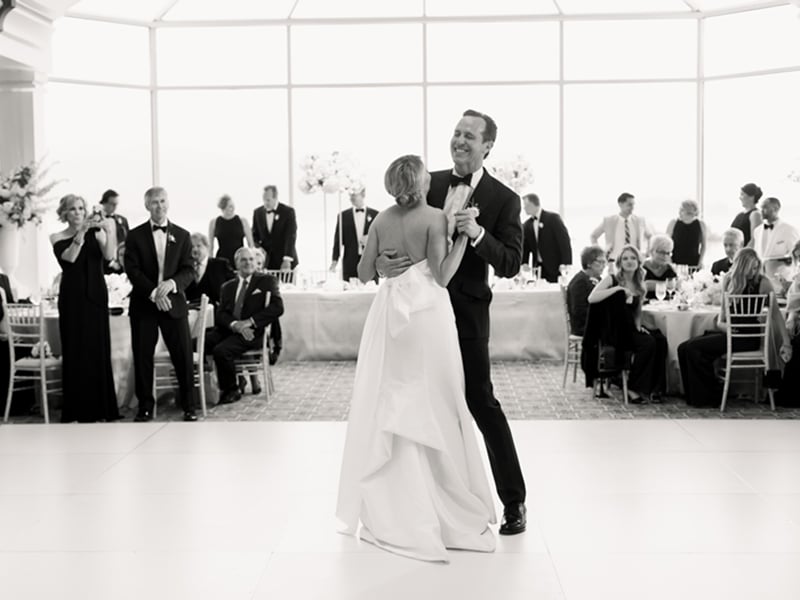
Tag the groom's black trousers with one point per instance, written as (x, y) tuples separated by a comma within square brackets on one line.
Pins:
[(491, 420)]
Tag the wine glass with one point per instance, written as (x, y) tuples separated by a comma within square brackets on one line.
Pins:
[(661, 290), (564, 272), (672, 284)]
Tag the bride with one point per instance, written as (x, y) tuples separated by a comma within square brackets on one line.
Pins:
[(411, 472)]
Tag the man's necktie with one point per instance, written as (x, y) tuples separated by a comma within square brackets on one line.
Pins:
[(769, 226), (160, 227), (197, 272), (627, 232), (455, 180), (237, 307)]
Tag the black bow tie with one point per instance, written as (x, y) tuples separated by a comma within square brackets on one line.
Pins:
[(359, 210), (160, 227), (271, 211), (768, 226), (536, 217), (455, 180)]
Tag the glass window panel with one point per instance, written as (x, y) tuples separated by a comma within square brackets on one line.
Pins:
[(527, 125), (357, 8), (214, 10), (509, 51), (336, 54), (238, 152), (215, 56), (707, 5), (751, 132), (98, 138), (630, 49), (637, 138), (456, 8), (373, 138), (621, 6), (95, 51), (751, 41), (142, 10)]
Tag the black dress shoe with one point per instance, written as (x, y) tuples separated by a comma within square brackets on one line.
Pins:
[(143, 417), (242, 384), (256, 389), (189, 416), (273, 357), (230, 396), (514, 519)]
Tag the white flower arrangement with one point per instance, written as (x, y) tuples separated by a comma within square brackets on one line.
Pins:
[(516, 173), (331, 174), (24, 196), (703, 288), (119, 289)]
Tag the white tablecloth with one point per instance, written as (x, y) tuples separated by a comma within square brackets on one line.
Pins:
[(320, 325)]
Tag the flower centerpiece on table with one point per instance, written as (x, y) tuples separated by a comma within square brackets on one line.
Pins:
[(119, 289), (24, 196), (516, 173), (703, 288), (330, 174)]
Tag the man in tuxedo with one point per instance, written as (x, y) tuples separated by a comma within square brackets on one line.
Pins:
[(623, 229), (545, 239), (109, 202), (774, 238), (495, 239), (158, 261), (275, 230), (732, 241), (209, 272), (248, 304), (355, 224)]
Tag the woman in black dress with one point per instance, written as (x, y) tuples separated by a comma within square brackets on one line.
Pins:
[(81, 250), (648, 370), (750, 218), (688, 234), (229, 231), (658, 267)]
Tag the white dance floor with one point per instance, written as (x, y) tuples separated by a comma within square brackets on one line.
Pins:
[(652, 509)]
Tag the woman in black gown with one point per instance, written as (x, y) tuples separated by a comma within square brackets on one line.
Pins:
[(688, 234), (81, 249), (750, 218), (229, 231)]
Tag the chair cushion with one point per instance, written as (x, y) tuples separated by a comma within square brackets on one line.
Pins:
[(33, 363)]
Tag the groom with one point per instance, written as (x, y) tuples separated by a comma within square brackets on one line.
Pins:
[(496, 239)]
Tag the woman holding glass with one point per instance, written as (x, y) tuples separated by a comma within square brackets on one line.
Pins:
[(658, 268), (81, 250), (647, 374), (229, 230)]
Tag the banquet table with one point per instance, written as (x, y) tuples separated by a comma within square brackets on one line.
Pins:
[(326, 325), (678, 326)]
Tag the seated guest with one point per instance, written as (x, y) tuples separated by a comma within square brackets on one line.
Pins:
[(545, 240), (593, 261), (276, 335), (659, 266), (647, 373), (209, 273), (688, 233), (248, 304), (789, 390), (696, 356), (732, 241), (261, 259), (786, 274)]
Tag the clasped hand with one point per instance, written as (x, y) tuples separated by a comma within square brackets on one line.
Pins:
[(245, 329), (161, 297), (466, 223)]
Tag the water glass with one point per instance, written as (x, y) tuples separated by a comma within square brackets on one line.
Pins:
[(661, 290)]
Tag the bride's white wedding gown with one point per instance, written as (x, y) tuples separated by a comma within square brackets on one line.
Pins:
[(412, 473)]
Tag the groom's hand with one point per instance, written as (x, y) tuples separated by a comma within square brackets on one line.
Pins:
[(388, 264)]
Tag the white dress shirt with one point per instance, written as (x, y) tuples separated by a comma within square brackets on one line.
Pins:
[(360, 218), (457, 198), (160, 241)]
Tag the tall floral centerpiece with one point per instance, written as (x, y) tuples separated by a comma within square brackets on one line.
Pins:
[(24, 198), (334, 173), (516, 173)]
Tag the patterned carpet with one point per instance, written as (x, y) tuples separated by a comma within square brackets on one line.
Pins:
[(320, 391)]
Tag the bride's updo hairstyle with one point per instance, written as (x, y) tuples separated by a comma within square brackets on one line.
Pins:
[(403, 180)]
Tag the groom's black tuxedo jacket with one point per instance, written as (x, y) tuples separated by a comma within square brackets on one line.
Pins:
[(501, 247), (141, 266)]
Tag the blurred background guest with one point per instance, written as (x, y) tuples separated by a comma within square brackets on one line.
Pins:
[(81, 250), (229, 231), (209, 273), (545, 240), (109, 202), (774, 238), (593, 262), (355, 224), (732, 242), (623, 229), (275, 230), (647, 373), (747, 220), (789, 390), (658, 267), (688, 235)]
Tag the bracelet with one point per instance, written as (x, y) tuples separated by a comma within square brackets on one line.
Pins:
[(77, 242)]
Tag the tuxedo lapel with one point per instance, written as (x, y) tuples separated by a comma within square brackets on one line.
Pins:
[(150, 244)]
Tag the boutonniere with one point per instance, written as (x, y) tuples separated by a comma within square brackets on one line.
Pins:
[(276, 217), (256, 291), (171, 239), (369, 218), (541, 225)]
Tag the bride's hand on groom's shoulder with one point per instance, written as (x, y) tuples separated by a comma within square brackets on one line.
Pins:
[(388, 264)]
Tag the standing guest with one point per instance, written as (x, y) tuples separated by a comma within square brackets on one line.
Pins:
[(647, 374), (248, 304), (109, 202), (774, 238), (81, 250), (747, 220), (658, 267), (696, 356), (158, 261), (230, 231), (545, 239), (275, 230), (355, 224), (623, 229), (593, 261), (732, 242), (689, 234), (209, 273)]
